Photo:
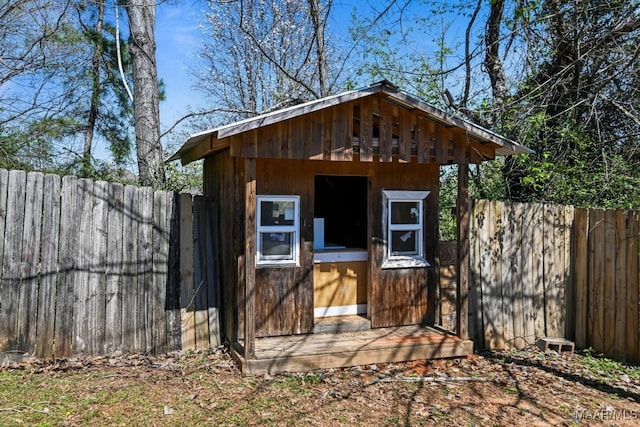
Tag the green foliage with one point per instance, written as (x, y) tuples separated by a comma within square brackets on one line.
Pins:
[(604, 369), (39, 146), (184, 178), (447, 200)]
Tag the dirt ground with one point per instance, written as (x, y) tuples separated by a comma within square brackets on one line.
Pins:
[(501, 388)]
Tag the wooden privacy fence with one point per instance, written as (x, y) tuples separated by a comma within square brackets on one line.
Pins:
[(606, 282), (93, 267), (548, 270)]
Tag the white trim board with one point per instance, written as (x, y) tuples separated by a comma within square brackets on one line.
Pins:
[(340, 310)]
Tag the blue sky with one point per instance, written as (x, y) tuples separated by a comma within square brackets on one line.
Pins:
[(177, 43)]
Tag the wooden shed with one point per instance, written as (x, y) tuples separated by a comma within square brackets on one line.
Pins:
[(327, 216)]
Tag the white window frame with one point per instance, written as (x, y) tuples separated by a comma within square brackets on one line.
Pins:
[(278, 260), (392, 260)]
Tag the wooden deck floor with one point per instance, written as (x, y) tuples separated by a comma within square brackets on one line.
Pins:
[(342, 349)]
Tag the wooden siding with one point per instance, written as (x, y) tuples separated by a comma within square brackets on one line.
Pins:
[(359, 130), (396, 296), (220, 185), (403, 296)]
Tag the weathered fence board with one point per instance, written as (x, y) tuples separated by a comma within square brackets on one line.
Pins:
[(97, 271), (48, 266), (114, 269), (30, 260), (632, 351), (92, 268), (145, 277), (161, 224), (11, 266), (65, 306), (130, 284), (580, 257)]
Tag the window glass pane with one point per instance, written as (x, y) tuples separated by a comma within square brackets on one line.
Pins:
[(277, 245), (404, 242), (280, 212), (405, 213)]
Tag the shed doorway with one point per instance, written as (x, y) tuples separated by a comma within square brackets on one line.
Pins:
[(341, 258)]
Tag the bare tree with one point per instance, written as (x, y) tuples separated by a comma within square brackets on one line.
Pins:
[(263, 55)]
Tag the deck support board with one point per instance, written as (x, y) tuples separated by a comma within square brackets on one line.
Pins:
[(338, 350)]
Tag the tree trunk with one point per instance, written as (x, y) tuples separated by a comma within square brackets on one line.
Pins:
[(319, 23), (95, 94), (141, 14)]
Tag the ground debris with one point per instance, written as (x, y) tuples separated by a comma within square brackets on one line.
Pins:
[(204, 387)]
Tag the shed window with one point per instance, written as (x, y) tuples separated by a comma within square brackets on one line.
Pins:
[(403, 222), (278, 230)]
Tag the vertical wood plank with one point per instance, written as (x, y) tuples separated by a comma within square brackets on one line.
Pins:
[(65, 307), (506, 279), (366, 130), (327, 134), (30, 262), (199, 274), (517, 234), (475, 289), (161, 224), (114, 269), (463, 222), (633, 284), (609, 307), (385, 143), (317, 136), (347, 139), (174, 332), (441, 144), (555, 280), (97, 271), (404, 137), (432, 140), (483, 218), (4, 184), (187, 305), (250, 253), (568, 283), (422, 151), (620, 289), (580, 258), (549, 266), (528, 274), (338, 129), (81, 328), (461, 148), (212, 257), (494, 322), (49, 266), (596, 266), (538, 277), (11, 267), (130, 260), (145, 264)]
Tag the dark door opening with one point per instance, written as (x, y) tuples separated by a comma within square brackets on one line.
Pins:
[(342, 202)]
